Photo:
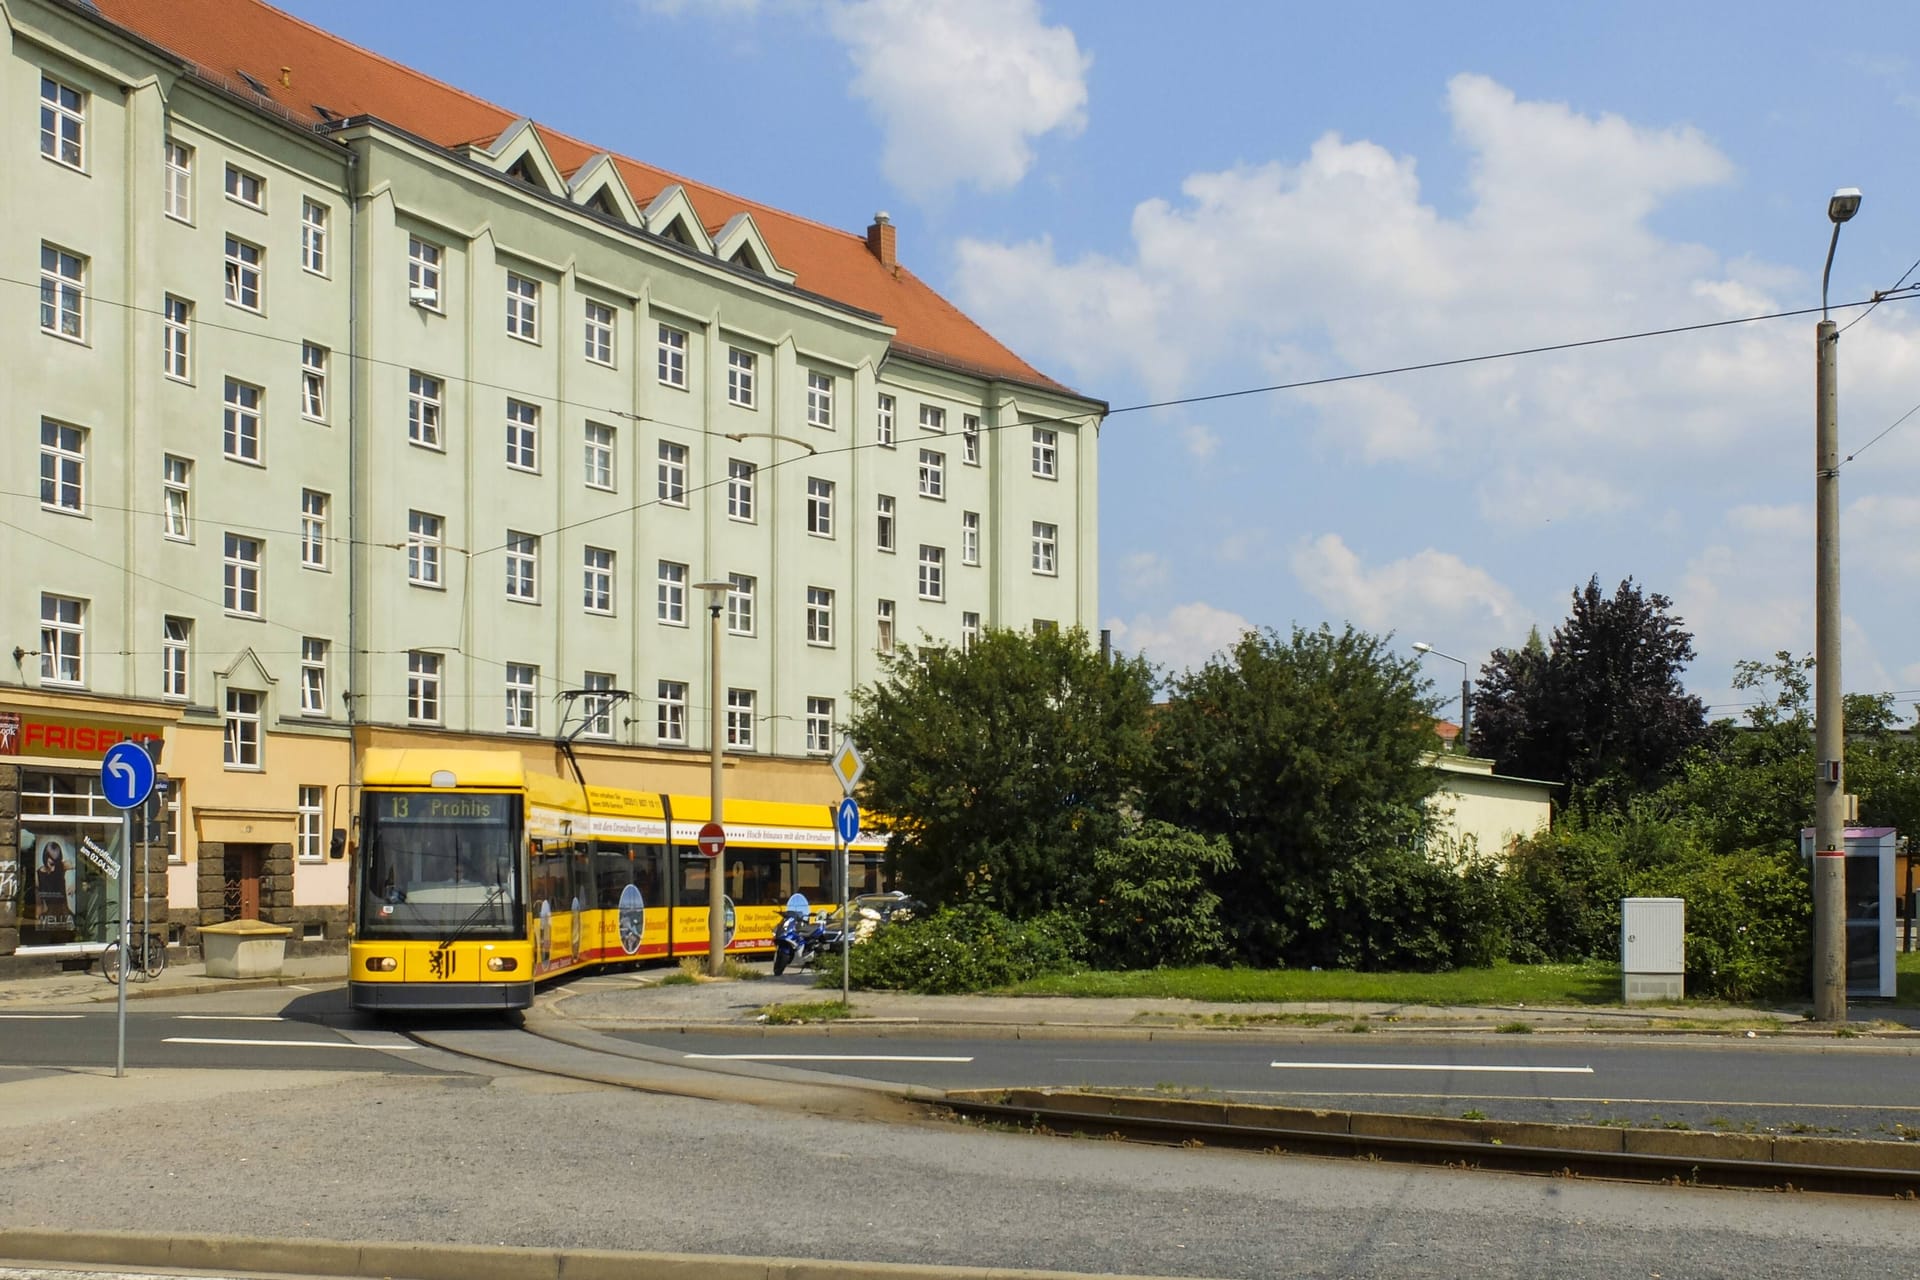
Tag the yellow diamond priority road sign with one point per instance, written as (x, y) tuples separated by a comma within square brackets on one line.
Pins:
[(847, 764)]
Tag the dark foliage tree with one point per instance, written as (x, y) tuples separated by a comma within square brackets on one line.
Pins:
[(999, 770)]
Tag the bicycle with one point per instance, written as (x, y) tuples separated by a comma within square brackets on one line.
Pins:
[(149, 956)]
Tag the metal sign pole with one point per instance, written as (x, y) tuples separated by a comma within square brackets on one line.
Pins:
[(846, 919), (126, 954)]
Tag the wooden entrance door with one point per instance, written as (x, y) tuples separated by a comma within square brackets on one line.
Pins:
[(241, 870)]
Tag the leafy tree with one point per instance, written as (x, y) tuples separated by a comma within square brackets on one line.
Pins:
[(1751, 786), (1000, 769), (1883, 763), (1305, 753), (1155, 906), (1603, 710)]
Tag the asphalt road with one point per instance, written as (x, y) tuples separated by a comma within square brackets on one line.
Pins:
[(269, 1035)]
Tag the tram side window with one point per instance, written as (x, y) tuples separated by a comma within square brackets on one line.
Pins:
[(581, 869), (754, 876), (865, 874), (550, 874), (815, 879), (693, 879), (618, 865)]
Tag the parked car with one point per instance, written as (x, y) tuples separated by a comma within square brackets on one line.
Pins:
[(870, 911)]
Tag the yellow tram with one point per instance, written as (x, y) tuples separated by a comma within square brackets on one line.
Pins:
[(474, 878)]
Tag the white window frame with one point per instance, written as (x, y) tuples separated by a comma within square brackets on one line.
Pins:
[(970, 537), (672, 358), (970, 440), (597, 329), (245, 187), (741, 475), (672, 472), (883, 617), (176, 497), (316, 509), (522, 692), (969, 631), (597, 582), (241, 427), (63, 293), (240, 567), (740, 717), (819, 507), (740, 593), (425, 261), (176, 339), (313, 676), (63, 640), (523, 436), (312, 808), (313, 382), (820, 617), (883, 421), (933, 572), (423, 686), (425, 406), (819, 726), (597, 712), (933, 418), (426, 540), (178, 201), (523, 307), (933, 475), (63, 467), (819, 399), (885, 530), (670, 594), (63, 123), (742, 365), (670, 719), (1046, 549), (523, 566), (246, 275), (599, 456), (1046, 453), (243, 748), (176, 657), (313, 236)]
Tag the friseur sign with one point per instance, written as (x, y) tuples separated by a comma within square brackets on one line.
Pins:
[(46, 735)]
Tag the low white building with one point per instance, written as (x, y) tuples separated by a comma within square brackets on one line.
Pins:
[(1484, 813)]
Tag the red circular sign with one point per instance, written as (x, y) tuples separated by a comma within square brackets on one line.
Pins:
[(713, 839)]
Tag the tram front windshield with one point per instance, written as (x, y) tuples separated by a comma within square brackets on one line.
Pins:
[(438, 864)]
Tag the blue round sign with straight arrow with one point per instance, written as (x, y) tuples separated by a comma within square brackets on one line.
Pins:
[(126, 775), (847, 819)]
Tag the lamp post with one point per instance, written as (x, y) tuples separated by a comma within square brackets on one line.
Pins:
[(1466, 688), (716, 740), (1829, 745)]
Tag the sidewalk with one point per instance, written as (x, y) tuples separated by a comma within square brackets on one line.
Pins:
[(89, 987)]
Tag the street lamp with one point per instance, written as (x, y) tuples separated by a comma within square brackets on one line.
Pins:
[(1466, 688), (1829, 747), (716, 739)]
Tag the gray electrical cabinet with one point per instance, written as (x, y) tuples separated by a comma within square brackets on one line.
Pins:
[(1653, 949)]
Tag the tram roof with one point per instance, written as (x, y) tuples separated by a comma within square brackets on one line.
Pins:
[(386, 767)]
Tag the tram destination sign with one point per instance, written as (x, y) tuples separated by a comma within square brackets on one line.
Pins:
[(421, 806)]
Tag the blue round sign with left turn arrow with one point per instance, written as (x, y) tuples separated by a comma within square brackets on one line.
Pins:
[(126, 775)]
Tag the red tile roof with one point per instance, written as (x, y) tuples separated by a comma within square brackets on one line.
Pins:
[(223, 38)]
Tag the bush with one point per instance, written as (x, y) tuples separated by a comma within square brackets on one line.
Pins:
[(1749, 921), (1154, 908), (1563, 895), (960, 949)]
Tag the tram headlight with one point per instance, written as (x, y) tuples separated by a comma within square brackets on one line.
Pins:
[(502, 964), (382, 964)]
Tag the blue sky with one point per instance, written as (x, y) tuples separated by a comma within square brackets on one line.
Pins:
[(1255, 193)]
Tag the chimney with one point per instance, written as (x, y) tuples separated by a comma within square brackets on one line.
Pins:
[(286, 77), (880, 240)]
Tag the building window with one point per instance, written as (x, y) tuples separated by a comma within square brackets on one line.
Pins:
[(599, 332), (523, 439), (523, 566), (523, 308), (598, 580), (883, 618), (671, 725), (179, 191), (63, 123), (426, 536), (241, 567), (599, 456), (313, 381), (819, 399), (883, 534), (933, 568), (1046, 445), (970, 537), (820, 616), (176, 646), (250, 189), (673, 474), (423, 272), (313, 812), (740, 719), (596, 708), (240, 433), (423, 409), (314, 510), (739, 604), (63, 467), (423, 687), (970, 440), (176, 492), (1045, 543), (740, 477), (671, 598), (933, 418), (243, 729), (313, 676), (933, 474), (969, 631), (740, 369), (244, 272), (819, 726), (1045, 627), (63, 632), (521, 681), (176, 339), (313, 237), (883, 423), (673, 357), (819, 507), (63, 293)]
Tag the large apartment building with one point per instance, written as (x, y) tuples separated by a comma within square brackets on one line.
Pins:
[(368, 414)]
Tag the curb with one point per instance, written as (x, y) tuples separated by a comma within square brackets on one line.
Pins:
[(431, 1261)]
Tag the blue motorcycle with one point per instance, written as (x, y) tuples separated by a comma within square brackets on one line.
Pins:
[(797, 942)]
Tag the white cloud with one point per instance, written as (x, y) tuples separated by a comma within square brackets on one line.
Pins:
[(1544, 492), (1143, 571), (962, 88), (1201, 442), (1186, 637), (1431, 585)]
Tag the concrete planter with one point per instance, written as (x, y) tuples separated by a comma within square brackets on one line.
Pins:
[(244, 948)]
